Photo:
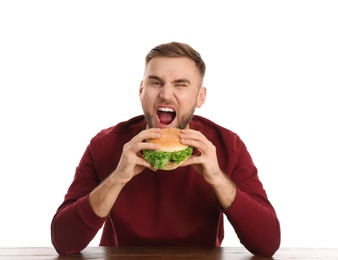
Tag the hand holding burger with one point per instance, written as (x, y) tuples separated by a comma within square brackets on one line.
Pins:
[(171, 153)]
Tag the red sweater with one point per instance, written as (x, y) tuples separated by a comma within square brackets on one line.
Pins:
[(176, 208)]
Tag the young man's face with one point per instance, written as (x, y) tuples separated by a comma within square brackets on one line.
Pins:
[(170, 91)]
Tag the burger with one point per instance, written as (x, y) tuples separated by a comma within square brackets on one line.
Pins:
[(171, 153)]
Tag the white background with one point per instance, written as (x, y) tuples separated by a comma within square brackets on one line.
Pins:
[(70, 68)]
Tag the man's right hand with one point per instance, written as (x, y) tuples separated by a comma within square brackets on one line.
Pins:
[(131, 163)]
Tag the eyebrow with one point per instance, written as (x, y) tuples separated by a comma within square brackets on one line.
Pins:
[(154, 77), (174, 82), (186, 81)]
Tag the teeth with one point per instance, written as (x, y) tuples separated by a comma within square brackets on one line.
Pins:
[(166, 109)]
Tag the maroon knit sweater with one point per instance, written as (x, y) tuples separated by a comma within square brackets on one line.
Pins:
[(166, 208)]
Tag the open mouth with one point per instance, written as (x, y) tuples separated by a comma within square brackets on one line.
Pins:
[(166, 115)]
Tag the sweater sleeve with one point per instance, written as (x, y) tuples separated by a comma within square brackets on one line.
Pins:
[(75, 224), (251, 214)]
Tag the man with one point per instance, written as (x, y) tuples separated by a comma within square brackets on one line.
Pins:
[(139, 206)]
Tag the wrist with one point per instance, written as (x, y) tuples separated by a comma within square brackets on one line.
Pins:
[(117, 178), (225, 190)]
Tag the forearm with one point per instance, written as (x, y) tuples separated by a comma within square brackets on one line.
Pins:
[(74, 226), (103, 197), (225, 190), (77, 222), (255, 224)]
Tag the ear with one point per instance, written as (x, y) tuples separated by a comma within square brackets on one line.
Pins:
[(141, 88), (202, 94)]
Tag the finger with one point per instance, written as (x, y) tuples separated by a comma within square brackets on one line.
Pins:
[(142, 162), (137, 143), (201, 145), (196, 139), (191, 161), (146, 146), (193, 135), (150, 133)]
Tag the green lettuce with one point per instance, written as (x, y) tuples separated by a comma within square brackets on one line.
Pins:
[(158, 159)]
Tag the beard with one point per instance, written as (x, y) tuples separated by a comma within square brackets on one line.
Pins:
[(182, 121)]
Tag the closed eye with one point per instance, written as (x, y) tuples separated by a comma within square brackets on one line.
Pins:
[(181, 83)]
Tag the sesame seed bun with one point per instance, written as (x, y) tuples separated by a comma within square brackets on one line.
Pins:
[(169, 142)]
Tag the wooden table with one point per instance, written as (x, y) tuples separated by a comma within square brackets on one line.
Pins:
[(105, 253)]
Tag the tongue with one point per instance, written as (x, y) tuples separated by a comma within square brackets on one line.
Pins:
[(166, 117)]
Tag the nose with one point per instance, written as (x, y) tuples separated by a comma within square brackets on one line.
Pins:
[(167, 91)]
